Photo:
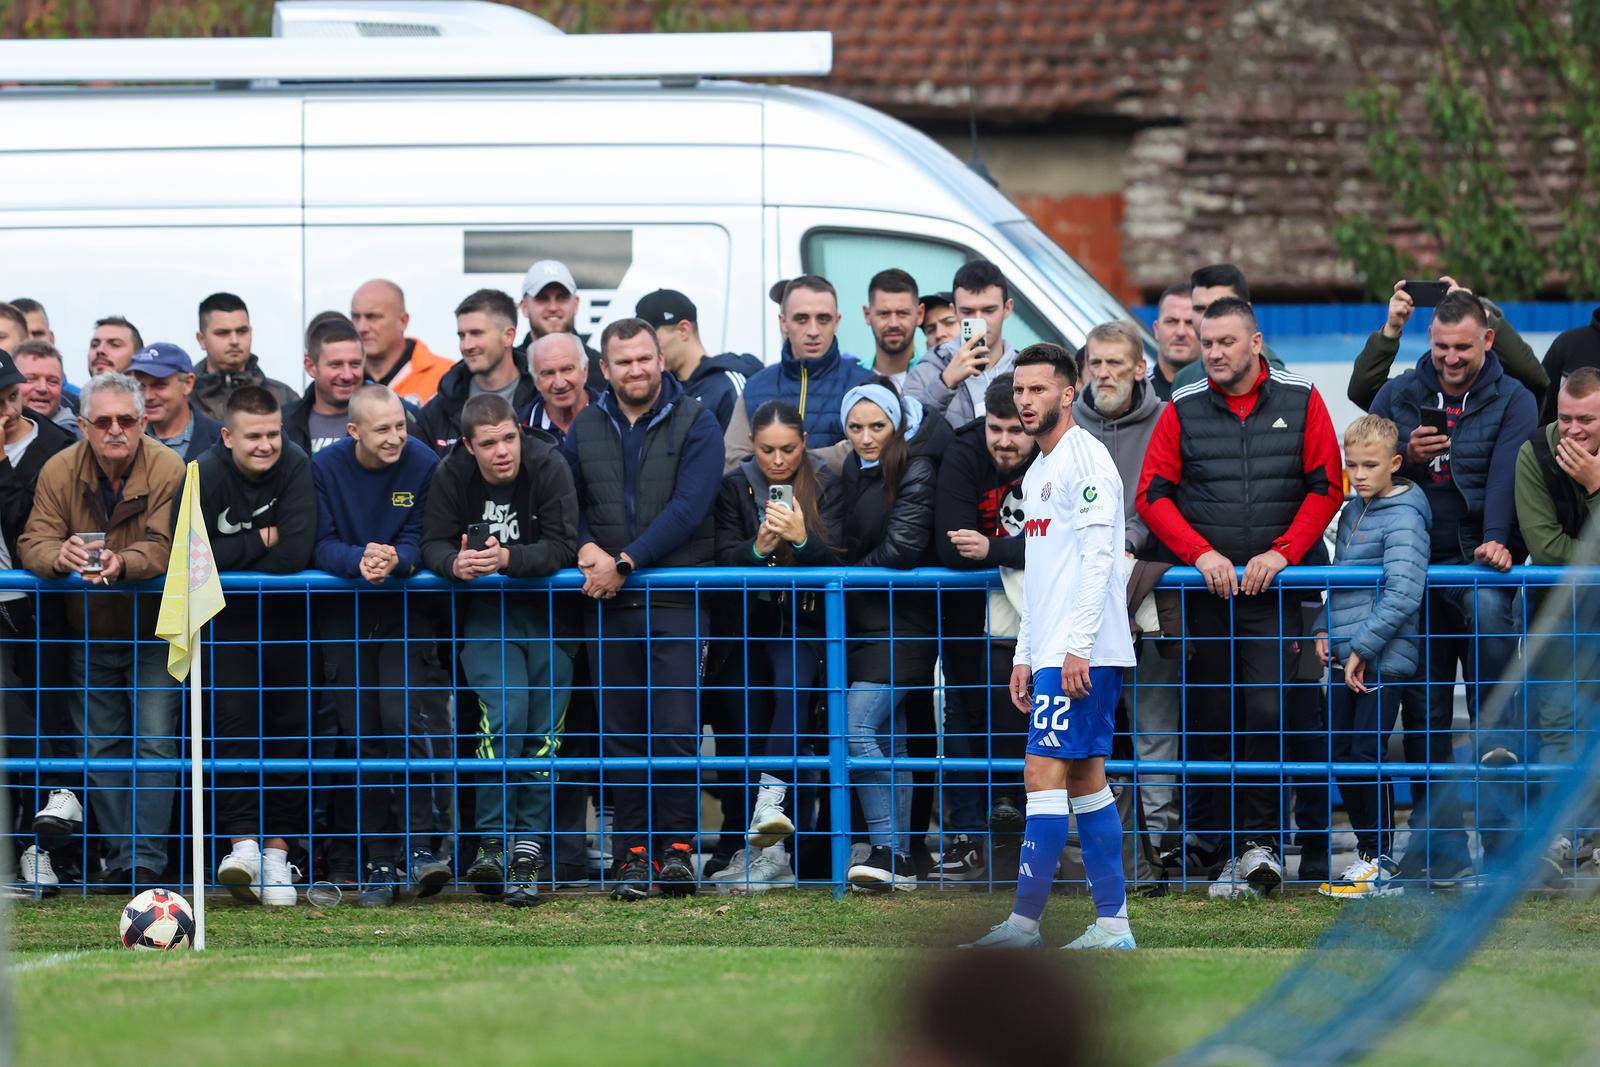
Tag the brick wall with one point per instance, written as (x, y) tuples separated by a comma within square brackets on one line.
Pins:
[(1089, 229)]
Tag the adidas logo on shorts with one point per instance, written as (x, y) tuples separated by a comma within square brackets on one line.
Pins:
[(1049, 740)]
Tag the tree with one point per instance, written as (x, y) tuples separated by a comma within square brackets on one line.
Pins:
[(1494, 153)]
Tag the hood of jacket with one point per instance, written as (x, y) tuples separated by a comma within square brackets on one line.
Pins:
[(791, 364), (671, 392), (1145, 405), (1491, 373), (1413, 498), (725, 363)]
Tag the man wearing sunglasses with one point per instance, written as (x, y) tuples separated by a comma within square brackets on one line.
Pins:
[(103, 511)]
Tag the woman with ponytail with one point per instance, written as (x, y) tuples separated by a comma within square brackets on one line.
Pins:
[(770, 513)]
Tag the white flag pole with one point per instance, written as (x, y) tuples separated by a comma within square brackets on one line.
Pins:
[(197, 804)]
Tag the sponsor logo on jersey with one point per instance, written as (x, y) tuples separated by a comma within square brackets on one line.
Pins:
[(1035, 527), (402, 500), (1090, 494), (1044, 494)]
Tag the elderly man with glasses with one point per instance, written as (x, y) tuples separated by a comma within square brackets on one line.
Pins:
[(103, 516)]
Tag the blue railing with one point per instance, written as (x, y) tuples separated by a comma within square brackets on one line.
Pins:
[(832, 763)]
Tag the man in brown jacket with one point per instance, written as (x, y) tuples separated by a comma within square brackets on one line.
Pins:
[(103, 511)]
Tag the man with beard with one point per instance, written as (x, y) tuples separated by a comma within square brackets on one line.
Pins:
[(486, 326), (1119, 407), (112, 347), (893, 314), (550, 302), (977, 515), (225, 335), (646, 461)]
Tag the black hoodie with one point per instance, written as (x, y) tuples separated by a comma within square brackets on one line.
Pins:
[(236, 506), (1577, 347), (718, 381), (543, 502), (17, 483), (439, 426)]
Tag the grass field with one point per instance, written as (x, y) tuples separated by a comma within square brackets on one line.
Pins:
[(785, 979)]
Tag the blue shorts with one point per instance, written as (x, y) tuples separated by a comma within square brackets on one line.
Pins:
[(1063, 728)]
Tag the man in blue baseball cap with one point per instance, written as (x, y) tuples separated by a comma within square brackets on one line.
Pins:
[(166, 377)]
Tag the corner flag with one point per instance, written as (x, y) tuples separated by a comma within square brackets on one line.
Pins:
[(193, 593)]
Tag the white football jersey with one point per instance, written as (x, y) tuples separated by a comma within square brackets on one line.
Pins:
[(1072, 502)]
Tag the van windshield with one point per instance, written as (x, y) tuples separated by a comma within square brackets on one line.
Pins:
[(1081, 294)]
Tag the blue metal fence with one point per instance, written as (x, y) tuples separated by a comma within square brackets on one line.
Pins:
[(366, 776)]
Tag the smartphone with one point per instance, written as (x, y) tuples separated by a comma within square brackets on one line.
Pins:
[(971, 328), (93, 566), (781, 494), (477, 536), (1425, 294), (1436, 419)]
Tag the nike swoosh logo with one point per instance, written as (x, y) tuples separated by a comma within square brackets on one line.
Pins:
[(226, 527)]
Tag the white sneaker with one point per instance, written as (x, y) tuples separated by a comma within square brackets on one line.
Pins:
[(768, 871), (1557, 861), (1365, 878), (1229, 885), (240, 874), (37, 872), (277, 879), (768, 826), (1260, 868), (60, 818), (735, 869)]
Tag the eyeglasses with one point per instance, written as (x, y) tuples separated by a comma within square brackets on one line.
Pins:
[(105, 422)]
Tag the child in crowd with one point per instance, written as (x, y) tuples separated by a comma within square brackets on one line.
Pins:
[(1374, 634)]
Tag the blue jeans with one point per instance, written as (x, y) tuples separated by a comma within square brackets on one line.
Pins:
[(127, 706), (523, 679), (877, 721)]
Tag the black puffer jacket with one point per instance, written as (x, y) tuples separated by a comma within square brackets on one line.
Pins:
[(895, 643), (741, 501)]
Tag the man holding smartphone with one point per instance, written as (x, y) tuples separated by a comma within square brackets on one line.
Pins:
[(952, 378), (1469, 475), (511, 492)]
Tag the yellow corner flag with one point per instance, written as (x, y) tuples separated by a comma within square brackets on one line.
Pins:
[(193, 593)]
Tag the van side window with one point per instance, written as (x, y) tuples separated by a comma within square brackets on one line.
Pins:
[(849, 259)]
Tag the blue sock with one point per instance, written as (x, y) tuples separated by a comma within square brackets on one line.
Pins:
[(1100, 834), (1049, 822)]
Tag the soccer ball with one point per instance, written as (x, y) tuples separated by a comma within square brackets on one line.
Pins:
[(157, 920)]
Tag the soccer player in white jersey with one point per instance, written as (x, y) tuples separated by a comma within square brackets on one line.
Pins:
[(1073, 646)]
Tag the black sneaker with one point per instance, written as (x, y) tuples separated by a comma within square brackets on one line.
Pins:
[(715, 863), (380, 888), (675, 873), (522, 890), (111, 882), (1006, 818), (962, 861), (571, 875), (883, 869), (488, 872), (632, 875), (428, 872)]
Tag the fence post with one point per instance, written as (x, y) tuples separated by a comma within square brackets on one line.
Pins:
[(838, 732)]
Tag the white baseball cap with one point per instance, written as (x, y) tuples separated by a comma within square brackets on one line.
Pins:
[(544, 273)]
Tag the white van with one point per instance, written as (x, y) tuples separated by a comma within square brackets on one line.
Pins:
[(139, 201)]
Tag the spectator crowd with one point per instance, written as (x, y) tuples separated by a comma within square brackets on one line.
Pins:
[(645, 451)]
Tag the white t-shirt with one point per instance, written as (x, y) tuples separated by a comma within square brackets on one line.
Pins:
[(1076, 594)]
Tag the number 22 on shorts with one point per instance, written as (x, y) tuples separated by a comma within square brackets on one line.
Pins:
[(1046, 719)]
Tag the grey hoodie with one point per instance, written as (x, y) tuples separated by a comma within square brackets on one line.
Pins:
[(1126, 438), (962, 404)]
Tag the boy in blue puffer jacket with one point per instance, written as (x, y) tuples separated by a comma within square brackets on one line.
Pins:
[(1375, 639)]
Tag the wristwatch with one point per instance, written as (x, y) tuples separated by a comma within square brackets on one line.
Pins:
[(624, 567)]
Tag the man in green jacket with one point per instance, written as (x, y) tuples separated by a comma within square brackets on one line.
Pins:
[(1558, 488), (1373, 365)]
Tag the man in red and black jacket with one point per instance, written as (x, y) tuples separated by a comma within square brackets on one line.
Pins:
[(1242, 470)]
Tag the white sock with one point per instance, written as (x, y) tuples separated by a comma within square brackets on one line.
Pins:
[(247, 847), (778, 851), (1027, 926), (772, 791), (1118, 923), (276, 858)]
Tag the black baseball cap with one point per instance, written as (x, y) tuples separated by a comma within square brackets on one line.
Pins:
[(9, 374), (776, 292), (933, 300), (666, 307)]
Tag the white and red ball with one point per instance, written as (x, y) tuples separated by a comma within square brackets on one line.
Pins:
[(157, 920)]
